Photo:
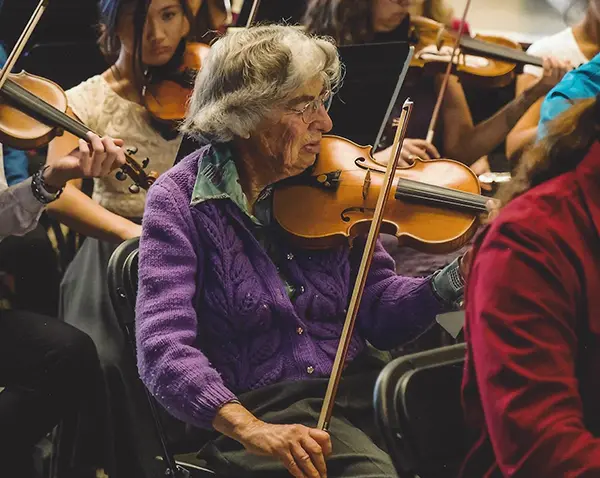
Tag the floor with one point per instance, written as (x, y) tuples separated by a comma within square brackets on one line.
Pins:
[(524, 20)]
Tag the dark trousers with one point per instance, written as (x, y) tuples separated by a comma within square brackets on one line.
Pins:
[(49, 369), (32, 262), (357, 452)]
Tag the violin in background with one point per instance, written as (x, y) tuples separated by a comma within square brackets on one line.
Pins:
[(33, 111), (169, 87), (484, 61)]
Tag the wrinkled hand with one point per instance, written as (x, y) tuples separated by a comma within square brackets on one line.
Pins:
[(410, 148), (301, 449), (99, 159), (554, 70)]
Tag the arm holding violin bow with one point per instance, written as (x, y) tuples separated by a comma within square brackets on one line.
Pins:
[(463, 140), (467, 142)]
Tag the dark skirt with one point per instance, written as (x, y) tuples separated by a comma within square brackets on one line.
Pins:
[(121, 433)]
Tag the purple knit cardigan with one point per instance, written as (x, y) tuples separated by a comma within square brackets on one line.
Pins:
[(213, 316)]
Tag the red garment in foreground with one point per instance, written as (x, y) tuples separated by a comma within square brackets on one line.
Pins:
[(532, 379)]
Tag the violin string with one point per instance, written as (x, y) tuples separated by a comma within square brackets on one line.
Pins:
[(412, 186), (463, 203), (19, 94), (409, 184), (502, 52), (446, 196), (38, 106)]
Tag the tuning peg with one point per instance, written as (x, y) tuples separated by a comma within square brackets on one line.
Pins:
[(121, 176), (132, 150), (134, 189), (145, 163)]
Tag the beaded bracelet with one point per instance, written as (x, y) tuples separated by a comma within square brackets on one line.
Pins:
[(38, 188)]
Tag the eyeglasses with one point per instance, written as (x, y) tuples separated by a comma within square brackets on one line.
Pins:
[(309, 110)]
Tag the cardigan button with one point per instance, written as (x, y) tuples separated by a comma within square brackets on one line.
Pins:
[(301, 289), (299, 330), (289, 256), (310, 369)]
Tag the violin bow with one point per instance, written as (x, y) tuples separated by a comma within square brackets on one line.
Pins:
[(253, 12), (228, 12), (22, 41), (440, 98), (361, 278)]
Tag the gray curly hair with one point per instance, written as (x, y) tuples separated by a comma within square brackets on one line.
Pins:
[(250, 71)]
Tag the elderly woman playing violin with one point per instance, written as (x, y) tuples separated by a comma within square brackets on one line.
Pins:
[(236, 328)]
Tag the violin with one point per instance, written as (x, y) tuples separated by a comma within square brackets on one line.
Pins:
[(434, 206), (485, 60), (33, 111), (168, 88)]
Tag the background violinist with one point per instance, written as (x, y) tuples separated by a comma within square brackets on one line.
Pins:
[(49, 370), (457, 137), (574, 45), (135, 35)]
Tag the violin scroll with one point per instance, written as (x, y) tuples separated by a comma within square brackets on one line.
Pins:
[(136, 171), (33, 112)]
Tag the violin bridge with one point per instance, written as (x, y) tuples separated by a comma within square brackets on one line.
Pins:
[(366, 184)]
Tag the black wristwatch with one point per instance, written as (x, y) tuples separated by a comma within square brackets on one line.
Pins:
[(39, 188)]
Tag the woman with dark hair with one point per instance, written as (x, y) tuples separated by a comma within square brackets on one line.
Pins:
[(379, 21), (136, 35), (532, 383), (457, 137)]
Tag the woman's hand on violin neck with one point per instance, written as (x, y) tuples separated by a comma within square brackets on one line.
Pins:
[(411, 149), (96, 159), (301, 449), (554, 70)]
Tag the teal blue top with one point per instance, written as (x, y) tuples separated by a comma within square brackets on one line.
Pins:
[(581, 83)]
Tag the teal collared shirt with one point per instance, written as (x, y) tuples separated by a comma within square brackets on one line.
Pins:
[(218, 178)]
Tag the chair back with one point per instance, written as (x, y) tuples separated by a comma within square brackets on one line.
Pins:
[(123, 283), (418, 411), (123, 287)]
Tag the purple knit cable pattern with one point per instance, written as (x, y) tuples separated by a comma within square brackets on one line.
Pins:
[(213, 316)]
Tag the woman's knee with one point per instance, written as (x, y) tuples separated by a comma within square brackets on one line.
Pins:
[(78, 352)]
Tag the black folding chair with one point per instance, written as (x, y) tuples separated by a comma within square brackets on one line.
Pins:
[(122, 284), (419, 414)]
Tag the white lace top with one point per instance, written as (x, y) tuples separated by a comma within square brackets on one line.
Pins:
[(104, 111), (561, 45)]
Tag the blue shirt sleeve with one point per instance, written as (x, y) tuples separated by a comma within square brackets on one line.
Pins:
[(581, 83), (16, 163)]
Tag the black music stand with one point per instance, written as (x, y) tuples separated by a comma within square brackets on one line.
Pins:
[(375, 73)]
